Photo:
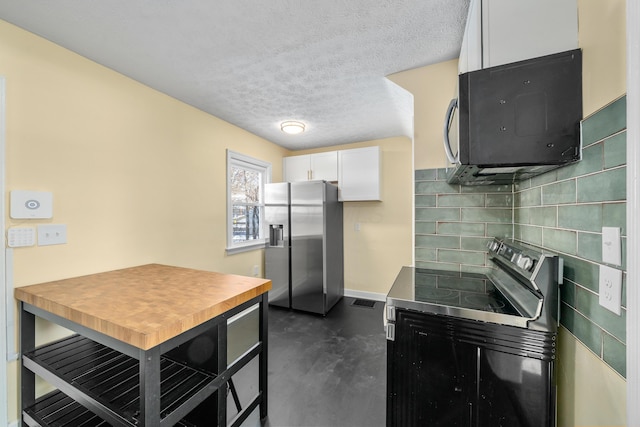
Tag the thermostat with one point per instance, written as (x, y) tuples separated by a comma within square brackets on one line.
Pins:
[(31, 204)]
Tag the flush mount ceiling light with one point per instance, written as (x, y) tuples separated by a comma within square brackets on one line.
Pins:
[(292, 127)]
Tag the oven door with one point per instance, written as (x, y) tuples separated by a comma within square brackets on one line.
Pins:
[(449, 372)]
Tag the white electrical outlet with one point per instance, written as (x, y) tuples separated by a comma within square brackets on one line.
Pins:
[(610, 288), (52, 234), (611, 246)]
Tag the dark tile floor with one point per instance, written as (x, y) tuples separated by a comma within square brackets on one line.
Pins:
[(327, 371)]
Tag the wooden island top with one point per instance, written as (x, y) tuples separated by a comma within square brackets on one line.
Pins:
[(146, 305)]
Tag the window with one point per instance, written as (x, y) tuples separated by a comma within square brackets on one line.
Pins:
[(246, 177)]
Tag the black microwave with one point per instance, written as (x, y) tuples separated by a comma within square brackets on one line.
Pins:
[(515, 121)]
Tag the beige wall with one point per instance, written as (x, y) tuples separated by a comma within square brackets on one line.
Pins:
[(373, 256), (602, 38), (590, 393), (136, 176), (432, 87)]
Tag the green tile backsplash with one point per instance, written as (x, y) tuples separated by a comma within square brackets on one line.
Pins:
[(607, 121), (454, 223), (562, 211), (586, 195)]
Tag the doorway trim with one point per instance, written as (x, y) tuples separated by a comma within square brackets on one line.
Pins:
[(633, 207), (4, 297)]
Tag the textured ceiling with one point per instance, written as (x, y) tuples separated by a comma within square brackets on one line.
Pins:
[(257, 63)]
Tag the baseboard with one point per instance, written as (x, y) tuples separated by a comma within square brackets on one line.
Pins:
[(13, 424), (365, 295)]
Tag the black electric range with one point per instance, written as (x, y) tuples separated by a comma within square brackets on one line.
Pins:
[(475, 349)]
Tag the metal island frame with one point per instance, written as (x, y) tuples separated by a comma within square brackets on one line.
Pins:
[(128, 363)]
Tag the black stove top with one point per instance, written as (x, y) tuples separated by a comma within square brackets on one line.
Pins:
[(520, 288), (463, 290)]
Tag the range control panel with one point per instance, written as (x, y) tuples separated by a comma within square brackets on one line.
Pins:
[(513, 255)]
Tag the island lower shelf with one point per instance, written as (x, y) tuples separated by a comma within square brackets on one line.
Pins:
[(57, 409), (112, 379)]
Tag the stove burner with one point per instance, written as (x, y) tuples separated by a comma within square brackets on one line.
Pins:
[(438, 294), (483, 301)]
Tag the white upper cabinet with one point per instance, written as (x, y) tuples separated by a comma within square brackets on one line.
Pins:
[(325, 166), (311, 167), (296, 168), (471, 49), (359, 174), (504, 31), (357, 171)]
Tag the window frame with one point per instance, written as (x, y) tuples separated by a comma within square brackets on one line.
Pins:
[(241, 160)]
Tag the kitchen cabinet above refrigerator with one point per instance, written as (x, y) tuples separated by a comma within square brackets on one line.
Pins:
[(311, 167), (359, 174), (356, 171), (500, 32)]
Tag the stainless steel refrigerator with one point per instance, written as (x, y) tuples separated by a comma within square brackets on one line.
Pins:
[(304, 251)]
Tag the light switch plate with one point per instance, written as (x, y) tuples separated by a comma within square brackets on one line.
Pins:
[(52, 234), (31, 204), (610, 288), (611, 246)]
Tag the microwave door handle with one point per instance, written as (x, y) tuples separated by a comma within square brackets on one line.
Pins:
[(447, 125)]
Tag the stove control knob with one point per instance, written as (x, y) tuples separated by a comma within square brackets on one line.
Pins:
[(524, 262), (494, 246)]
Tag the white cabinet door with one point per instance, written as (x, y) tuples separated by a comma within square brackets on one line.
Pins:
[(324, 166), (308, 167), (504, 31), (296, 168), (471, 49), (359, 174), (523, 29)]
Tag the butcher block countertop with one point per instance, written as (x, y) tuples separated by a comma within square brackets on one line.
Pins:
[(143, 306)]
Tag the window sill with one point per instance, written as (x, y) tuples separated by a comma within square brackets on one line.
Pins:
[(259, 244)]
